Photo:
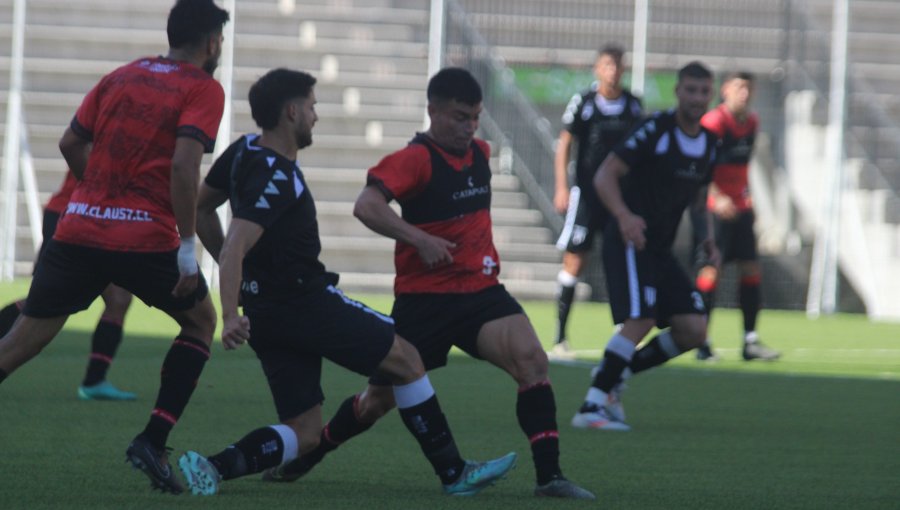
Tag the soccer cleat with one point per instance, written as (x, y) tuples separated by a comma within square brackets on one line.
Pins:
[(202, 477), (104, 390), (561, 351), (290, 472), (154, 463), (477, 476), (597, 418), (559, 487), (756, 350), (705, 353), (614, 402)]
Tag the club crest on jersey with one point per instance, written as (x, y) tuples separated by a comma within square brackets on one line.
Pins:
[(489, 265)]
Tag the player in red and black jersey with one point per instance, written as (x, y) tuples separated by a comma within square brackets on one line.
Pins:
[(294, 314), (597, 120), (447, 290), (648, 181), (135, 147), (732, 211), (108, 333)]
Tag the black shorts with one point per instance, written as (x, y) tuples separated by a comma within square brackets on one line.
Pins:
[(291, 336), (585, 217), (735, 239), (645, 284), (68, 277), (434, 323), (48, 228)]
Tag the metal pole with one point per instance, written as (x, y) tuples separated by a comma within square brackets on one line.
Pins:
[(29, 183), (435, 43), (825, 255), (639, 47), (11, 149)]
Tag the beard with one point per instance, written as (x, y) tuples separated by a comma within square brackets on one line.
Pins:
[(211, 65), (304, 139)]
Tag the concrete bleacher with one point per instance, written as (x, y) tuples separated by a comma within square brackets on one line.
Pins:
[(370, 57)]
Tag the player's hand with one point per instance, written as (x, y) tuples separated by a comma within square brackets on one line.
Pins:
[(235, 331), (724, 207), (632, 228), (435, 251), (713, 256), (187, 285), (561, 200)]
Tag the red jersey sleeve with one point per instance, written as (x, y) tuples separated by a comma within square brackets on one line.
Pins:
[(714, 121), (402, 174), (202, 113)]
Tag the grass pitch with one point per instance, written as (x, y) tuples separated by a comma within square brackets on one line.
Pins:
[(818, 429)]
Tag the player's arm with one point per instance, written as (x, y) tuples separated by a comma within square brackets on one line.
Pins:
[(183, 189), (606, 184), (75, 151), (560, 171), (209, 228), (723, 205), (242, 235), (373, 210)]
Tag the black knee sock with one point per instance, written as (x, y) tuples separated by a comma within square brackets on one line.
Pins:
[(8, 316), (343, 426), (257, 451), (564, 304), (657, 351), (749, 298), (180, 371), (104, 344), (429, 426), (536, 411)]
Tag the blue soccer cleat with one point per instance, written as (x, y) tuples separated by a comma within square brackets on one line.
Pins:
[(477, 476), (202, 477), (104, 390)]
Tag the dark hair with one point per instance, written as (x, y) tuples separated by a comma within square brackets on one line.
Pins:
[(191, 21), (738, 75), (269, 94), (694, 69), (454, 83), (613, 50)]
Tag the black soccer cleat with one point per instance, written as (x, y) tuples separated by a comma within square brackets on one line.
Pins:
[(705, 353), (154, 463)]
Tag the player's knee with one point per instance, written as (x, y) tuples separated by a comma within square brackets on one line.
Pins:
[(402, 365), (529, 364)]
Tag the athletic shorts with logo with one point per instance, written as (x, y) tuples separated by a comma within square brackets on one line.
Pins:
[(434, 323), (292, 335), (645, 284), (69, 277), (584, 217)]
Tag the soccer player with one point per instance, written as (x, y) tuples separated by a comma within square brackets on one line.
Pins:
[(108, 333), (596, 120), (664, 165), (447, 288), (732, 211), (294, 313), (135, 144)]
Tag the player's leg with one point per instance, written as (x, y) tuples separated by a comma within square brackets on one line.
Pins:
[(575, 241), (9, 314), (707, 275), (511, 343), (104, 343), (749, 295), (151, 277)]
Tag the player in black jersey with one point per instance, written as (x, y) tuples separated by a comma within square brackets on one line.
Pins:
[(294, 315), (596, 120), (665, 165)]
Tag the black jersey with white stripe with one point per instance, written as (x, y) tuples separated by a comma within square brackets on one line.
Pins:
[(598, 125), (667, 168), (268, 189)]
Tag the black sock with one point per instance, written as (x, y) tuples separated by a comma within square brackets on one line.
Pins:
[(8, 316), (3, 375), (343, 426), (180, 371), (429, 426), (536, 411), (749, 298), (257, 451), (564, 304), (104, 344), (611, 372), (657, 351)]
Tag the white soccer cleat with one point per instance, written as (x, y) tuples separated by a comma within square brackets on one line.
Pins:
[(597, 418), (561, 351)]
